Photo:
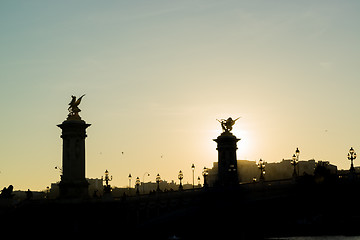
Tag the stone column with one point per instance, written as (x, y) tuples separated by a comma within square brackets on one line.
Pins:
[(73, 183), (227, 161)]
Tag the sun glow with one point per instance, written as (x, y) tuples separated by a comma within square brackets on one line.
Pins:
[(245, 146)]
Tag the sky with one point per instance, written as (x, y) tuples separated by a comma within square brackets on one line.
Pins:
[(157, 75)]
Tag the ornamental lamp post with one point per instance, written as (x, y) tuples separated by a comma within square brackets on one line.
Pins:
[(205, 173), (261, 166), (129, 180), (295, 162), (137, 183), (180, 177), (107, 179), (193, 170), (297, 153), (352, 156), (158, 178)]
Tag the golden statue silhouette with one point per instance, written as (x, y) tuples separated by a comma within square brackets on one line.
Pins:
[(227, 124), (74, 109)]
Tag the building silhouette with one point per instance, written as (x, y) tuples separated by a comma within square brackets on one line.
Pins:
[(248, 170)]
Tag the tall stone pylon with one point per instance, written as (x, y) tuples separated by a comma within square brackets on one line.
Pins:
[(73, 183), (227, 161)]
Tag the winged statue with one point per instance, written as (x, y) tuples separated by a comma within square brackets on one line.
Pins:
[(227, 124), (73, 107)]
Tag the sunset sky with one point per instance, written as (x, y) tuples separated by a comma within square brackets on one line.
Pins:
[(157, 75)]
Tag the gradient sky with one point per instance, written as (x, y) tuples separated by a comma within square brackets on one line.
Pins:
[(157, 75)]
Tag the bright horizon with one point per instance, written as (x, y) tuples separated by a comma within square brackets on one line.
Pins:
[(158, 74)]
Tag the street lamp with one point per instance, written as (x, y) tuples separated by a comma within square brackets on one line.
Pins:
[(205, 173), (352, 156), (158, 178), (107, 187), (180, 177), (261, 166), (129, 181), (193, 169), (295, 162), (137, 183), (297, 153)]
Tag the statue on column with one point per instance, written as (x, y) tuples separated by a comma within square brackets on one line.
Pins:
[(227, 160), (226, 124), (74, 109)]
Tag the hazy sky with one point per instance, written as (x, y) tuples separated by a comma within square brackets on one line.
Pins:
[(157, 75)]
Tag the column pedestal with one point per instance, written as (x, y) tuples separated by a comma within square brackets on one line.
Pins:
[(73, 183), (227, 161)]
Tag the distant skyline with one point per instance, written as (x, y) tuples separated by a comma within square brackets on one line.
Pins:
[(157, 75)]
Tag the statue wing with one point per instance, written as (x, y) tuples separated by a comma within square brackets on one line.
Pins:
[(79, 100)]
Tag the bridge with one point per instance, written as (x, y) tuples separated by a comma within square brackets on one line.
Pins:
[(256, 210), (307, 205)]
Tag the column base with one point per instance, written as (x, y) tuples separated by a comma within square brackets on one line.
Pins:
[(74, 190)]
